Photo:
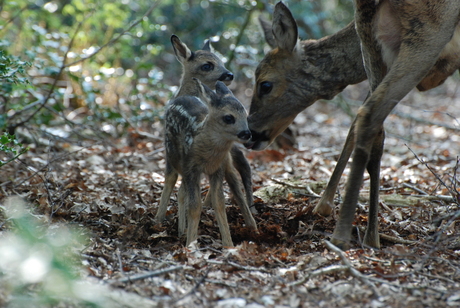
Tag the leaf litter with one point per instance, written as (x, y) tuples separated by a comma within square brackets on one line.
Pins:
[(112, 188)]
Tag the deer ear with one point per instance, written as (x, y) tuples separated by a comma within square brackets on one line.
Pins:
[(268, 33), (180, 49), (284, 28), (207, 46), (221, 89), (205, 92)]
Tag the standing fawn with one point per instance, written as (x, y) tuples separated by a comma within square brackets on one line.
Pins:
[(199, 134), (208, 68), (403, 43)]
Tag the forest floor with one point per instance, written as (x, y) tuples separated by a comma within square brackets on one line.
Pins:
[(109, 190)]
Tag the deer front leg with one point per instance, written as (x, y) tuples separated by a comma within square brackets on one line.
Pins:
[(325, 205), (170, 180), (218, 203), (235, 187), (371, 238)]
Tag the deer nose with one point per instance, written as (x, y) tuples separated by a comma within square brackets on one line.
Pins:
[(226, 77), (245, 135)]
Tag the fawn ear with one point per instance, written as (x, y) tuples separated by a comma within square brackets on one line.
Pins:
[(207, 46), (205, 92), (268, 32), (284, 28), (221, 89), (180, 49)]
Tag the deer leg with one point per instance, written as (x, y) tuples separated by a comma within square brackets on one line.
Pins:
[(218, 204), (326, 203), (192, 203), (170, 180), (182, 211), (235, 187), (410, 67), (244, 169), (371, 238)]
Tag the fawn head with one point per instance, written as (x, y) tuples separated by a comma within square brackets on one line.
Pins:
[(280, 91), (228, 117), (202, 64)]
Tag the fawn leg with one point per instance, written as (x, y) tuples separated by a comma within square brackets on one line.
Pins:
[(218, 204), (244, 169), (170, 180), (235, 187), (192, 203), (182, 211)]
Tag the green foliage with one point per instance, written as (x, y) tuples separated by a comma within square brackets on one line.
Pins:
[(76, 60), (35, 256), (10, 145)]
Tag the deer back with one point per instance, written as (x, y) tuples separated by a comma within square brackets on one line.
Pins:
[(201, 129)]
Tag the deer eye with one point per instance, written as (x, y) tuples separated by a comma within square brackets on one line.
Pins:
[(229, 119), (265, 87), (207, 67)]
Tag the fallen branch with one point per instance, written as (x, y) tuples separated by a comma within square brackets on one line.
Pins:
[(148, 274), (354, 272), (322, 271)]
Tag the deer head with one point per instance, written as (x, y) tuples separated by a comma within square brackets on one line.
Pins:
[(295, 74), (202, 64)]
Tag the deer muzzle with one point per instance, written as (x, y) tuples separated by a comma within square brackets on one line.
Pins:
[(244, 135), (227, 76)]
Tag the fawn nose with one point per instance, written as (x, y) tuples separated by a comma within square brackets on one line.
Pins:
[(226, 77), (245, 135)]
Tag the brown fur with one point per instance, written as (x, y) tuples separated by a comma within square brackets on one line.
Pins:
[(198, 140), (404, 44), (193, 67)]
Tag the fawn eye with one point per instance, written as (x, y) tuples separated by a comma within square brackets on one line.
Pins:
[(265, 87), (229, 119), (207, 67)]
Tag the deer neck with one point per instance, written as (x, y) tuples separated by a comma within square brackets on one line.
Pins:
[(332, 63)]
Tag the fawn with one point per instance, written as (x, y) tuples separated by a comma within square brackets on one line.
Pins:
[(208, 68), (199, 134), (396, 44)]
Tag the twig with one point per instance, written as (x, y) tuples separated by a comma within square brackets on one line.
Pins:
[(306, 187), (148, 274), (390, 238), (154, 5), (414, 188), (246, 268), (354, 272), (425, 121), (322, 271)]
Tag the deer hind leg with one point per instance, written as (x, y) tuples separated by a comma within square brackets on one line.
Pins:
[(244, 169), (192, 203), (410, 66), (235, 187), (170, 180), (371, 238), (218, 203)]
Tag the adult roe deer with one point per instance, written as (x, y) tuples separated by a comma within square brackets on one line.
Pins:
[(199, 133), (403, 44), (205, 66)]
